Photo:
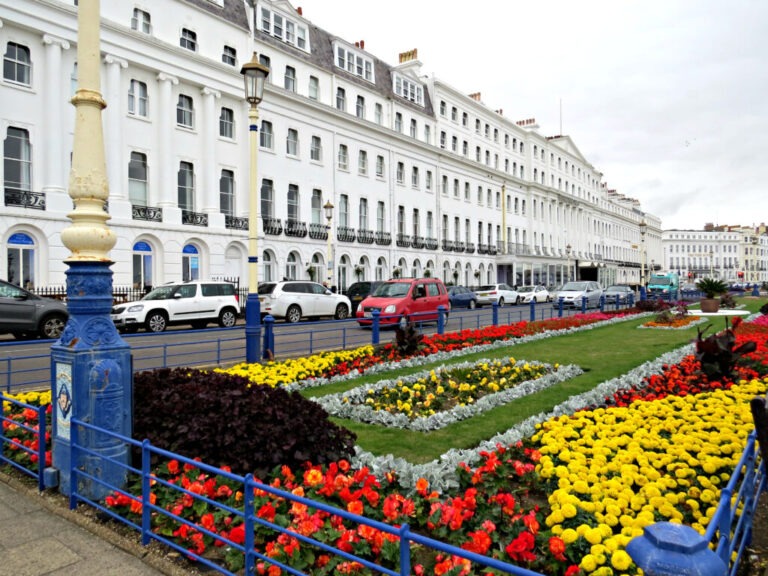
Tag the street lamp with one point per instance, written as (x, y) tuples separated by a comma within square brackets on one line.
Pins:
[(255, 74), (328, 207), (643, 228), (568, 255), (711, 263)]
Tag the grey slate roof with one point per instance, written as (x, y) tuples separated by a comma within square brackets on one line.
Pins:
[(233, 11)]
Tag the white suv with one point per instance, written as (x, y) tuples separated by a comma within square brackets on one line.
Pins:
[(297, 299), (196, 302)]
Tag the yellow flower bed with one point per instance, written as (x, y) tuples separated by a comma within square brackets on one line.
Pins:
[(288, 371), (614, 471), (32, 398)]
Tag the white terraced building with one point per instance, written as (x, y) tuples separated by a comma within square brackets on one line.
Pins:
[(421, 175)]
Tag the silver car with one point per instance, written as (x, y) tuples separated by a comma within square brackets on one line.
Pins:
[(572, 294), (26, 315)]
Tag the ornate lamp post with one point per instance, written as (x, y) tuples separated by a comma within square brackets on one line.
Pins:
[(328, 207), (91, 363), (255, 75), (568, 255), (643, 229)]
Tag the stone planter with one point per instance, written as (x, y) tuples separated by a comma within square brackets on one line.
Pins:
[(709, 304)]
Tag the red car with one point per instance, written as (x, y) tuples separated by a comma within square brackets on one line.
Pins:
[(414, 299)]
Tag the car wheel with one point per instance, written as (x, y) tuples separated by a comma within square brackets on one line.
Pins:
[(293, 314), (52, 326), (472, 304), (342, 312), (199, 324), (227, 318), (501, 302), (519, 300), (156, 322)]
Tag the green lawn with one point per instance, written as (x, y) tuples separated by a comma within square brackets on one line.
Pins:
[(603, 353)]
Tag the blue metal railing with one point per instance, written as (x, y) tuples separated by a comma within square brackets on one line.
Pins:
[(8, 446), (81, 475)]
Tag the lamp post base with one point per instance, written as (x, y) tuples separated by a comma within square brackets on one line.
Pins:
[(252, 328)]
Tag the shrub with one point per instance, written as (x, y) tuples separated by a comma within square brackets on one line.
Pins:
[(225, 421), (651, 305)]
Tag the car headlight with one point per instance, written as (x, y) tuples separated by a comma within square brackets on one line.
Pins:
[(135, 308), (389, 309)]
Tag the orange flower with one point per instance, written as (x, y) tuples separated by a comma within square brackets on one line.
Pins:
[(355, 507)]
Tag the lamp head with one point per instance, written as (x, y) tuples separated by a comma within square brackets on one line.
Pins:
[(255, 75)]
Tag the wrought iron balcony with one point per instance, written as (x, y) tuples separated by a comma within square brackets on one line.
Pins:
[(383, 238), (25, 198), (459, 246), (482, 248), (194, 218), (448, 245), (345, 234), (272, 226), (418, 242), (318, 231), (430, 243), (492, 250), (295, 228), (235, 222), (147, 213), (365, 236), (470, 248), (403, 240)]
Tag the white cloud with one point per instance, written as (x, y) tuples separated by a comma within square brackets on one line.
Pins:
[(666, 99)]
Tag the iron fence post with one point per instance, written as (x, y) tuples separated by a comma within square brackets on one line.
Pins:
[(495, 313), (375, 327), (269, 337), (441, 319)]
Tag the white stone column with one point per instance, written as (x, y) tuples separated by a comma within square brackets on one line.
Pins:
[(209, 177), (165, 128), (54, 175), (113, 139)]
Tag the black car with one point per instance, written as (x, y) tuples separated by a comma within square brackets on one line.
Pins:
[(26, 315), (358, 291)]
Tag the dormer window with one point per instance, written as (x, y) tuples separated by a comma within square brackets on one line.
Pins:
[(289, 31), (409, 90), (354, 63)]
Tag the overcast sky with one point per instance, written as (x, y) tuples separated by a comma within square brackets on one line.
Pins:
[(667, 98)]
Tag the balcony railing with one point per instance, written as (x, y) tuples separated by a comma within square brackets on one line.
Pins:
[(25, 198), (318, 231), (470, 248), (448, 245), (235, 222), (430, 243), (459, 246), (492, 250), (417, 242), (383, 238), (345, 234), (403, 240), (272, 226), (365, 236), (295, 228), (147, 213), (194, 218), (482, 248)]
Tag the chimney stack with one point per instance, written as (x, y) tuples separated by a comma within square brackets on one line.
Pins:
[(301, 13), (409, 55), (475, 96)]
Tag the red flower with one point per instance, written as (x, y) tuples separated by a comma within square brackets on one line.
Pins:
[(557, 548), (521, 548)]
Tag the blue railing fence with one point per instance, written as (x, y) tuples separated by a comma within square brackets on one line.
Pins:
[(83, 476), (37, 431)]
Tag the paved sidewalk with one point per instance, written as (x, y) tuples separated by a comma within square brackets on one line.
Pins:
[(41, 538)]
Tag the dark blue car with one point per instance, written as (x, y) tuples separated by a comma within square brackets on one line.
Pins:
[(462, 297)]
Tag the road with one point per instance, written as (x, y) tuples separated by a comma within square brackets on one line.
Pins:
[(27, 364)]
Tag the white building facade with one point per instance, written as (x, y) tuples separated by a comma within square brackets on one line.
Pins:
[(422, 177)]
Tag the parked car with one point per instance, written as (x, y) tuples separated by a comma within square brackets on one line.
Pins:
[(527, 293), (403, 299), (500, 293), (26, 315), (297, 299), (617, 293), (462, 297), (573, 292), (196, 303), (689, 287), (358, 291)]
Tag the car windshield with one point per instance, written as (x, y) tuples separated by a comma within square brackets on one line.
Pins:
[(575, 287), (525, 289), (663, 281), (488, 287), (391, 289), (161, 293)]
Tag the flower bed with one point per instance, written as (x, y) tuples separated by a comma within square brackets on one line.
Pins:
[(434, 399)]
